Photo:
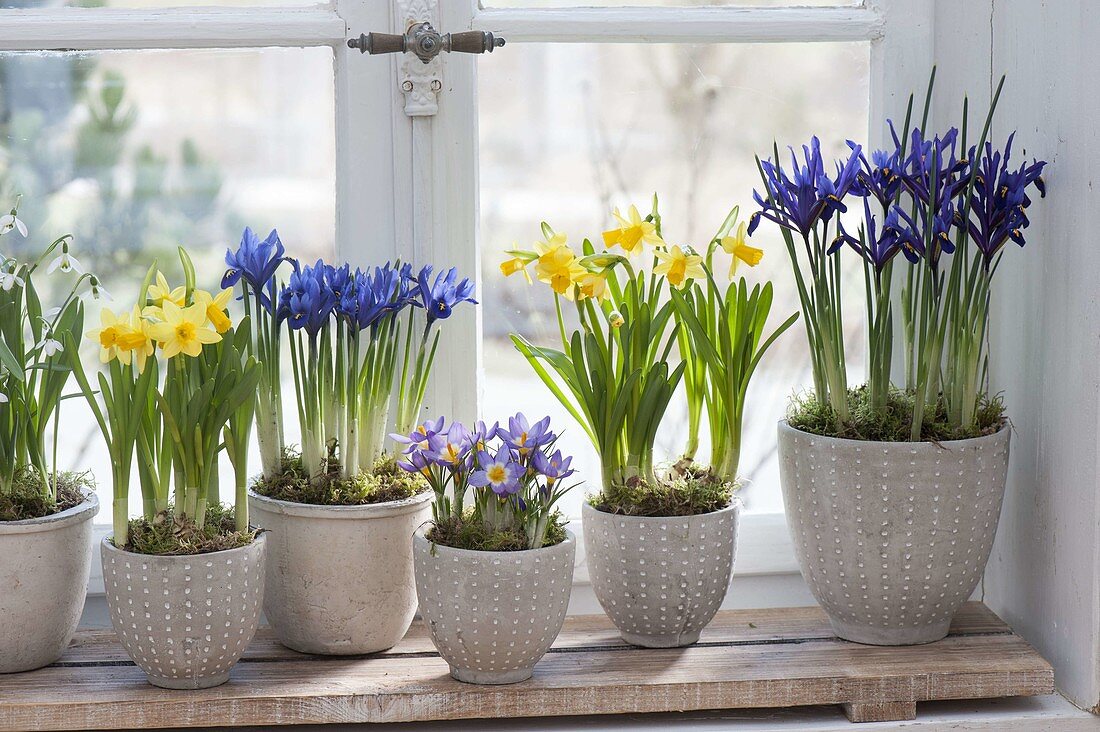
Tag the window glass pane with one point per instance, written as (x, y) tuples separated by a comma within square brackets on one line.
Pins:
[(136, 153), (570, 131)]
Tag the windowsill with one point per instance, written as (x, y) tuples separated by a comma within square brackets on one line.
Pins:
[(1032, 714)]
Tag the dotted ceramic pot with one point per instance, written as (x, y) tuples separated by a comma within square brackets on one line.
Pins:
[(493, 615), (44, 566), (317, 602), (185, 620), (892, 537), (661, 579)]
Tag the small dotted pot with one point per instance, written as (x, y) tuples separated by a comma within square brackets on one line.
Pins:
[(340, 578), (185, 620), (661, 579), (44, 566), (892, 537), (493, 615)]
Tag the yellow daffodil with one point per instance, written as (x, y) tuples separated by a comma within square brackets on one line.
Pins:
[(678, 266), (215, 307), (558, 265), (737, 247), (183, 330), (593, 285), (632, 232), (137, 341), (516, 264), (112, 328), (122, 337), (160, 292)]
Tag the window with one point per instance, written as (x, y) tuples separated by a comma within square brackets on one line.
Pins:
[(215, 117)]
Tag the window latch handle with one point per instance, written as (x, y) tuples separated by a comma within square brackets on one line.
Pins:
[(425, 42)]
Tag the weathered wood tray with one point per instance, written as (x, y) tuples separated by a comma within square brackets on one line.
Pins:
[(746, 658)]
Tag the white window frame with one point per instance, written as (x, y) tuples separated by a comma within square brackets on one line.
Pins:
[(408, 184)]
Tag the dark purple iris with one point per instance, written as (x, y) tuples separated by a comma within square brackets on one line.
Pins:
[(999, 200), (441, 296), (306, 301), (256, 261), (800, 200), (880, 177), (877, 246)]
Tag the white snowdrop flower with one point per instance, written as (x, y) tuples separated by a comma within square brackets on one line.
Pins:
[(50, 347), (66, 263), (11, 221), (98, 291), (9, 280), (3, 398), (51, 313)]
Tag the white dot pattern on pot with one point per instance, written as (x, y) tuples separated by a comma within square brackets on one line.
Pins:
[(185, 618), (893, 537), (661, 580), (493, 612)]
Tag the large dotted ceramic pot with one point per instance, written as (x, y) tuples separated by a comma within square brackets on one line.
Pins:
[(493, 615), (661, 580), (340, 578), (44, 566), (892, 537), (185, 620)]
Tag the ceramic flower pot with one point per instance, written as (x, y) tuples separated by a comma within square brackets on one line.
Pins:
[(44, 565), (185, 620), (661, 580), (340, 578), (493, 615), (892, 537)]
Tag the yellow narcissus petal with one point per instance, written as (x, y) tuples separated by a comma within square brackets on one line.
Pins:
[(510, 266), (593, 285), (632, 232), (740, 250), (678, 266), (160, 292)]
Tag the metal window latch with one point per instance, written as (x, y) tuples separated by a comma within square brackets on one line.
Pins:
[(425, 42)]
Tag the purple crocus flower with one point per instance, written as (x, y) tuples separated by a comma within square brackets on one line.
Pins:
[(451, 448), (499, 472), (441, 296), (419, 436), (416, 462), (999, 200), (524, 437), (799, 201), (553, 467), (256, 261), (875, 246)]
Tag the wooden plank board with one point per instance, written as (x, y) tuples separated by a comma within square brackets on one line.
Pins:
[(759, 658)]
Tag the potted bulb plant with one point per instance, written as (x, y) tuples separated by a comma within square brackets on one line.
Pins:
[(185, 580), (45, 514), (660, 543), (355, 337), (893, 493), (493, 575)]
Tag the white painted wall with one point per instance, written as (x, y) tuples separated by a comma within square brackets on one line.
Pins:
[(1043, 576)]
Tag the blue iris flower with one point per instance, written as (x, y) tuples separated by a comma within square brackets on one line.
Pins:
[(440, 297), (255, 261), (306, 301), (808, 195), (875, 245), (999, 200)]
